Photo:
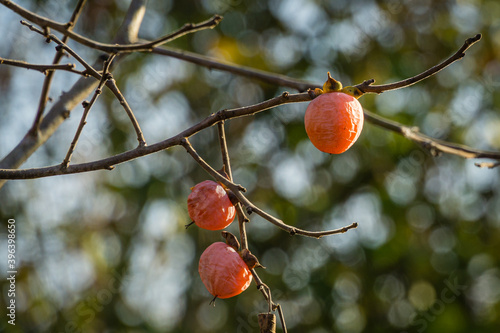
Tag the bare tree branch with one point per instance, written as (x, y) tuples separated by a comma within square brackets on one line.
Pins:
[(110, 82), (367, 87), (68, 100), (109, 48), (45, 69), (87, 107), (44, 95), (435, 146), (250, 207), (242, 218), (226, 114), (187, 28), (110, 162), (211, 63)]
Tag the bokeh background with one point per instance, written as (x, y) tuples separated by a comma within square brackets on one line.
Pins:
[(108, 252)]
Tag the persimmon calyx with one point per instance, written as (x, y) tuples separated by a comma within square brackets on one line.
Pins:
[(250, 259), (352, 91), (231, 240), (332, 85)]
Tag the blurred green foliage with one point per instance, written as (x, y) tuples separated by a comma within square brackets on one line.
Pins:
[(108, 251)]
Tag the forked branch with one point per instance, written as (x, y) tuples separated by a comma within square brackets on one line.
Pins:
[(87, 106), (250, 207), (44, 95), (109, 48), (367, 87), (89, 70)]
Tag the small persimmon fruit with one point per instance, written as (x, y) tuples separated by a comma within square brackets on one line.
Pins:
[(209, 206), (334, 121), (223, 271)]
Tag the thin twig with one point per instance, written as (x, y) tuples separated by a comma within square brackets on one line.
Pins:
[(266, 292), (88, 106), (278, 79), (44, 69), (44, 95), (110, 82), (61, 109), (109, 48), (109, 162), (187, 28), (242, 218), (242, 221), (226, 162), (211, 63), (214, 173), (64, 47), (237, 189), (435, 146), (282, 317), (251, 208), (264, 288), (367, 87)]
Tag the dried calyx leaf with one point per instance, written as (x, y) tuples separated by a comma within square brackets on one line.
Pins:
[(250, 259), (232, 197), (224, 172), (231, 240)]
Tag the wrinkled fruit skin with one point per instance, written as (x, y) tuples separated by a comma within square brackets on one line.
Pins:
[(334, 122), (209, 206), (223, 271)]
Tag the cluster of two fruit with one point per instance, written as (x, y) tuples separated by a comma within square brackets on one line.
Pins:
[(223, 268)]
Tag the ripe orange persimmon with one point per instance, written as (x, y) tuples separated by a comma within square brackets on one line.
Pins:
[(223, 271), (334, 122), (209, 206)]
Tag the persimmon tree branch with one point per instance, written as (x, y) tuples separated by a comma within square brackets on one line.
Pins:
[(367, 87), (68, 100), (44, 69), (109, 48), (61, 46), (266, 292), (47, 82), (89, 70), (87, 106), (242, 218), (212, 63), (434, 146), (109, 162), (269, 77), (250, 207), (186, 29), (226, 162)]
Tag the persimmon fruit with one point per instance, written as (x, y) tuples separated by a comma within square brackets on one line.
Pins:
[(223, 271), (209, 206), (334, 121)]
